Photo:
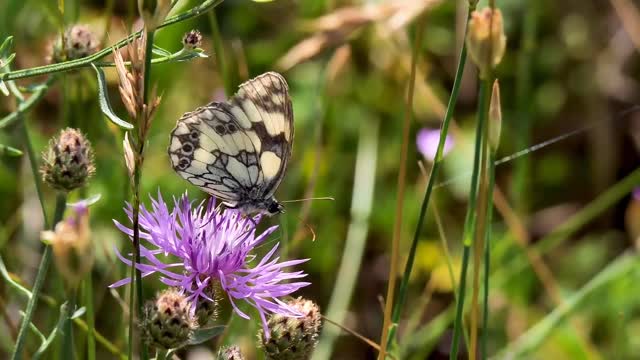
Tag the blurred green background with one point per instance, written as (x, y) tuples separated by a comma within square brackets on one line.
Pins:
[(569, 65)]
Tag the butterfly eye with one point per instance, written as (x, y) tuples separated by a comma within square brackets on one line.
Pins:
[(194, 135), (183, 164), (231, 128), (220, 129), (187, 149)]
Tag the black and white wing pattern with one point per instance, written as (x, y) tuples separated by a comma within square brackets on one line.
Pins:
[(238, 150)]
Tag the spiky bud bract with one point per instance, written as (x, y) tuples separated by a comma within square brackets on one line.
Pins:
[(167, 322), (230, 353), (293, 338)]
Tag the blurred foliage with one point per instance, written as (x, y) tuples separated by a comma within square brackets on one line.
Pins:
[(583, 70)]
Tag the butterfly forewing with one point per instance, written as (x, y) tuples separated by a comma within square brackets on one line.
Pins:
[(238, 150)]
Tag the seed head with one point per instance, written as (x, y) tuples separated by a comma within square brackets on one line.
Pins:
[(293, 338), (68, 161), (486, 40), (192, 40), (167, 322), (79, 41), (230, 353), (71, 244)]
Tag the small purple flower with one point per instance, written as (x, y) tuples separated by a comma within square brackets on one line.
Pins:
[(636, 193), (212, 245), (427, 142)]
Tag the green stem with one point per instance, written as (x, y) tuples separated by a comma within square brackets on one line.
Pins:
[(161, 355), (88, 303), (470, 218), (61, 201), (148, 54), (404, 284), (524, 105), (33, 162), (24, 106), (86, 62), (218, 49), (67, 335), (487, 255)]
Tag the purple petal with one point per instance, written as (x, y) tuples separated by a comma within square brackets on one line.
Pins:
[(427, 142)]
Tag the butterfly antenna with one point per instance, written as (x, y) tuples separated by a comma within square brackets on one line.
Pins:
[(308, 199)]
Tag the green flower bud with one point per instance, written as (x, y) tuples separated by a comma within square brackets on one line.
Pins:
[(293, 338), (68, 161), (230, 353), (167, 322)]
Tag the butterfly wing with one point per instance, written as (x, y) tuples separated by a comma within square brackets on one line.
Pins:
[(237, 150)]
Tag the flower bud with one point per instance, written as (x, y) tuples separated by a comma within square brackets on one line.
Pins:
[(167, 322), (79, 42), (293, 338), (207, 310), (230, 353), (486, 41), (495, 117), (68, 161), (71, 244), (192, 40)]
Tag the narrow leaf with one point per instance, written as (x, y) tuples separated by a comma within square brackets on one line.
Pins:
[(9, 151), (43, 347), (6, 46), (3, 88), (78, 313), (160, 51), (105, 105), (204, 334)]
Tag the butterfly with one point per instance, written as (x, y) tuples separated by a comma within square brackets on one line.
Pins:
[(238, 150)]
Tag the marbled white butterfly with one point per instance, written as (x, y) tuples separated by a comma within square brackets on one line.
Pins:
[(238, 150)]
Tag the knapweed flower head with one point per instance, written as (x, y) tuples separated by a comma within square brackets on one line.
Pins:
[(196, 247), (79, 42), (67, 161), (230, 353), (192, 40), (293, 338), (427, 142), (167, 321)]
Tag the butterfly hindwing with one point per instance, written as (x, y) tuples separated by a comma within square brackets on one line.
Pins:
[(238, 150)]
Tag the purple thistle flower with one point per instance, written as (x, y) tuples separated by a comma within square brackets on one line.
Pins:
[(211, 246), (427, 142)]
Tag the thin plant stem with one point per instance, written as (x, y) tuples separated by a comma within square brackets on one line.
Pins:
[(67, 335), (218, 48), (397, 227), (487, 255), (86, 61), (33, 162), (43, 268), (404, 284), (522, 167), (470, 218), (88, 303), (478, 243)]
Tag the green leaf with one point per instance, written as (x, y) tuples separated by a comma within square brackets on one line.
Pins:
[(9, 151), (105, 105), (3, 88), (6, 46), (203, 334), (6, 61), (78, 313), (43, 347), (160, 51)]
